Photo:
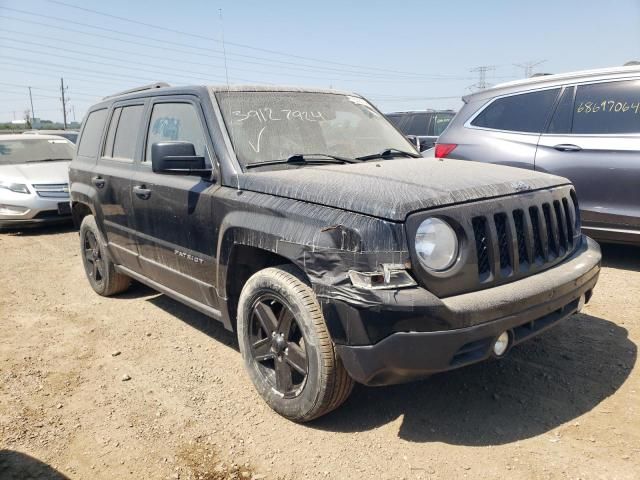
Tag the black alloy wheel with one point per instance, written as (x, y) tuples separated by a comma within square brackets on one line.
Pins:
[(278, 346), (98, 266), (94, 263)]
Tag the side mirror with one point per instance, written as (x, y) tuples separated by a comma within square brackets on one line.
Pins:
[(177, 158)]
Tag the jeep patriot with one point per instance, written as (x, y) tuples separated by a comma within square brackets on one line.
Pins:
[(304, 221)]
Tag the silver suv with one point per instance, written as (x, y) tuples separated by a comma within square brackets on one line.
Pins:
[(582, 125)]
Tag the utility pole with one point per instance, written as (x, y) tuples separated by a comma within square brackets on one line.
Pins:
[(73, 112), (64, 103), (527, 67), (31, 100), (482, 77)]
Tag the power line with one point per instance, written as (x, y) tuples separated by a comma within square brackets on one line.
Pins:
[(47, 89), (201, 53), (250, 47), (206, 51), (163, 58)]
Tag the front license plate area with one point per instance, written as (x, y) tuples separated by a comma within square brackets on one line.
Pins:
[(64, 208)]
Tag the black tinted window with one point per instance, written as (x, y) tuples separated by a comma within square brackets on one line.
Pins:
[(410, 123), (418, 124), (92, 133), (612, 107), (126, 136), (111, 134), (527, 112), (175, 122), (562, 117)]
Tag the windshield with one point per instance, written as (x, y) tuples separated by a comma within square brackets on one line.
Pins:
[(266, 126), (31, 150)]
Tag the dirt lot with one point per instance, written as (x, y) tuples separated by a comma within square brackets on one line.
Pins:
[(566, 405)]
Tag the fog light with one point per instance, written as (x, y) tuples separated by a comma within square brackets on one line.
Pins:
[(501, 344), (12, 210)]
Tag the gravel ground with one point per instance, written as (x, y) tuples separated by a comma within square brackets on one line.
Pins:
[(139, 386)]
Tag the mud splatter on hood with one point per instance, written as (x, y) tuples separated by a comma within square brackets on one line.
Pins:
[(391, 189)]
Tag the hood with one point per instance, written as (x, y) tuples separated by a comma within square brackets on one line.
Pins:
[(36, 172), (392, 189)]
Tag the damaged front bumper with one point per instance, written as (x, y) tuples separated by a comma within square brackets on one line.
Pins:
[(412, 334)]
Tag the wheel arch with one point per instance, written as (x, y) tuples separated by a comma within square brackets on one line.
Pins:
[(79, 210), (242, 261)]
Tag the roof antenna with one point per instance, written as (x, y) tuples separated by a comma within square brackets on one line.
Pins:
[(224, 50)]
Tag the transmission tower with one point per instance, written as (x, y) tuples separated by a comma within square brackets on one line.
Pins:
[(527, 67), (482, 77)]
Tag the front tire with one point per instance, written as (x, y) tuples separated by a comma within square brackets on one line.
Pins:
[(286, 346), (100, 270)]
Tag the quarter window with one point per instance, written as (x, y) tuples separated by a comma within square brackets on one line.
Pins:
[(607, 108), (127, 131), (527, 112), (562, 117), (91, 133), (175, 122)]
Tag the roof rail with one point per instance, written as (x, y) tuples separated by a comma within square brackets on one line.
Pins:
[(139, 89)]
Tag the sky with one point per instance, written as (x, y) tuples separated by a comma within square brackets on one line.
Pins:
[(402, 55)]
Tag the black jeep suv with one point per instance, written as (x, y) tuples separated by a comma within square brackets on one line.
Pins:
[(307, 223)]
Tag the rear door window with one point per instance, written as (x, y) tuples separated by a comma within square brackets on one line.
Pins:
[(410, 123), (607, 108), (417, 124), (127, 132), (92, 133), (526, 112), (111, 134)]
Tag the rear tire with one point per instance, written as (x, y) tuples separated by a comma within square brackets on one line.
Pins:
[(286, 346), (98, 267)]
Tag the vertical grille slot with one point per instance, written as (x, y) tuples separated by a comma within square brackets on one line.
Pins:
[(538, 253), (562, 225), (551, 239), (482, 246), (500, 220), (576, 209), (518, 220), (567, 216)]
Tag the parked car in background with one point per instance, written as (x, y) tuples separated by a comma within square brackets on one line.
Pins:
[(71, 135), (304, 221), (422, 126), (34, 185), (582, 125)]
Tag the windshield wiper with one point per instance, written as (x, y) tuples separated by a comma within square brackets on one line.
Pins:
[(50, 160), (389, 153), (305, 159)]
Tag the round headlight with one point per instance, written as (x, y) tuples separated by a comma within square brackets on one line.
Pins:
[(436, 244)]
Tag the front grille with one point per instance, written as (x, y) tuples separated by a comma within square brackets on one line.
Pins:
[(513, 241), (482, 246), (503, 240), (52, 190), (518, 220)]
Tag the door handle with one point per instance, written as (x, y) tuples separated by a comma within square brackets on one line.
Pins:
[(567, 147), (142, 192), (98, 182)]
